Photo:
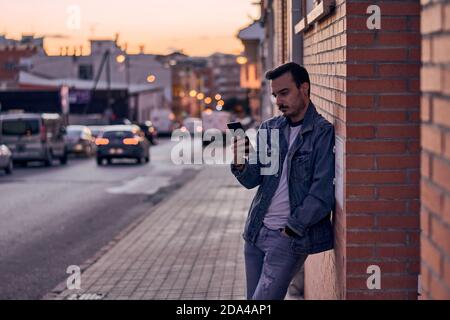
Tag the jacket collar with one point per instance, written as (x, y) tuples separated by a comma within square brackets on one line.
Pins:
[(308, 121)]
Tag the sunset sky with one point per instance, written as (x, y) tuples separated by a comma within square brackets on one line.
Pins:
[(198, 27)]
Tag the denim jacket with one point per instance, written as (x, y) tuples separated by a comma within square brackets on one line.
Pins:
[(310, 175)]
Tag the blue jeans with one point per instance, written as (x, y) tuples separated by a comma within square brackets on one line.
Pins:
[(270, 265)]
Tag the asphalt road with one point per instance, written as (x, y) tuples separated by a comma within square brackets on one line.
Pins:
[(51, 218)]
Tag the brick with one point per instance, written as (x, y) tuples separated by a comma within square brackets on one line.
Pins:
[(378, 177), (402, 8), (392, 131), (377, 55), (360, 70), (356, 116), (425, 222), (398, 162), (393, 24), (446, 209), (439, 290), (431, 19), (360, 39), (431, 139), (360, 221), (360, 192), (399, 39), (366, 237), (413, 146), (425, 109), (426, 50), (398, 192), (447, 272), (441, 111), (441, 48), (425, 165), (375, 147), (430, 255), (447, 145), (376, 86), (440, 234), (361, 132), (447, 17), (360, 101), (398, 221), (360, 162), (398, 253), (398, 70), (432, 79), (441, 173), (364, 206), (424, 281), (359, 252), (400, 101), (399, 282), (431, 197)]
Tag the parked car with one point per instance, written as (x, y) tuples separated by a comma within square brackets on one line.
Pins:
[(122, 141), (150, 131), (6, 162), (80, 141), (34, 137)]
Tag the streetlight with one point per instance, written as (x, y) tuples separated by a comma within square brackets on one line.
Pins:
[(218, 97), (151, 78)]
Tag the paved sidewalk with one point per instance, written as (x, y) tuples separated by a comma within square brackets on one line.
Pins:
[(188, 247)]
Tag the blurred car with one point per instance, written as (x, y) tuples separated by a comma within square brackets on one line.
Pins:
[(149, 130), (34, 137), (96, 130), (6, 162), (80, 141), (122, 141), (192, 125)]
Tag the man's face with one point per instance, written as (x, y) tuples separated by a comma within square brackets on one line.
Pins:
[(291, 101)]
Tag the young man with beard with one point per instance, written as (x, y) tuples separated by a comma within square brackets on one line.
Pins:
[(290, 215)]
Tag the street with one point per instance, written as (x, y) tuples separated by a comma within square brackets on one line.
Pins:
[(55, 217)]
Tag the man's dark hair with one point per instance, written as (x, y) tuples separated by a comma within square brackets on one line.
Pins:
[(299, 73)]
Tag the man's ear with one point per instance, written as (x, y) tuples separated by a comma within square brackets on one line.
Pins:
[(305, 88)]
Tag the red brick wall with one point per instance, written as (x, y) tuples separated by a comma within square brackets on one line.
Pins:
[(367, 83), (324, 58), (435, 183)]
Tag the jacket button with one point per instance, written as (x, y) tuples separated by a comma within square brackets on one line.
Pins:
[(276, 175)]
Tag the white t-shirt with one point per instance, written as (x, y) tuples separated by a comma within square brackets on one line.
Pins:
[(279, 210)]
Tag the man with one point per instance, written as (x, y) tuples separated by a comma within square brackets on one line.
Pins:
[(290, 215)]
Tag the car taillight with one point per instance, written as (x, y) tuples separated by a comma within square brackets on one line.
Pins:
[(43, 132), (131, 141), (101, 141)]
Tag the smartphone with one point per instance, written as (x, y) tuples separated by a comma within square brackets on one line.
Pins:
[(236, 126)]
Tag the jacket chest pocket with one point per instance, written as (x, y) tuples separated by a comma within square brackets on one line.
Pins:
[(301, 166)]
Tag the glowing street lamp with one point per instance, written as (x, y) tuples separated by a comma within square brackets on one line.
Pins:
[(193, 93), (241, 60), (208, 100), (151, 78), (218, 97), (120, 58), (200, 96)]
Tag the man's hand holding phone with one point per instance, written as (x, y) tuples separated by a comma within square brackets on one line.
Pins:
[(240, 145)]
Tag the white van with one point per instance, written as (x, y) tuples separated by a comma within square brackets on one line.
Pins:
[(34, 137)]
